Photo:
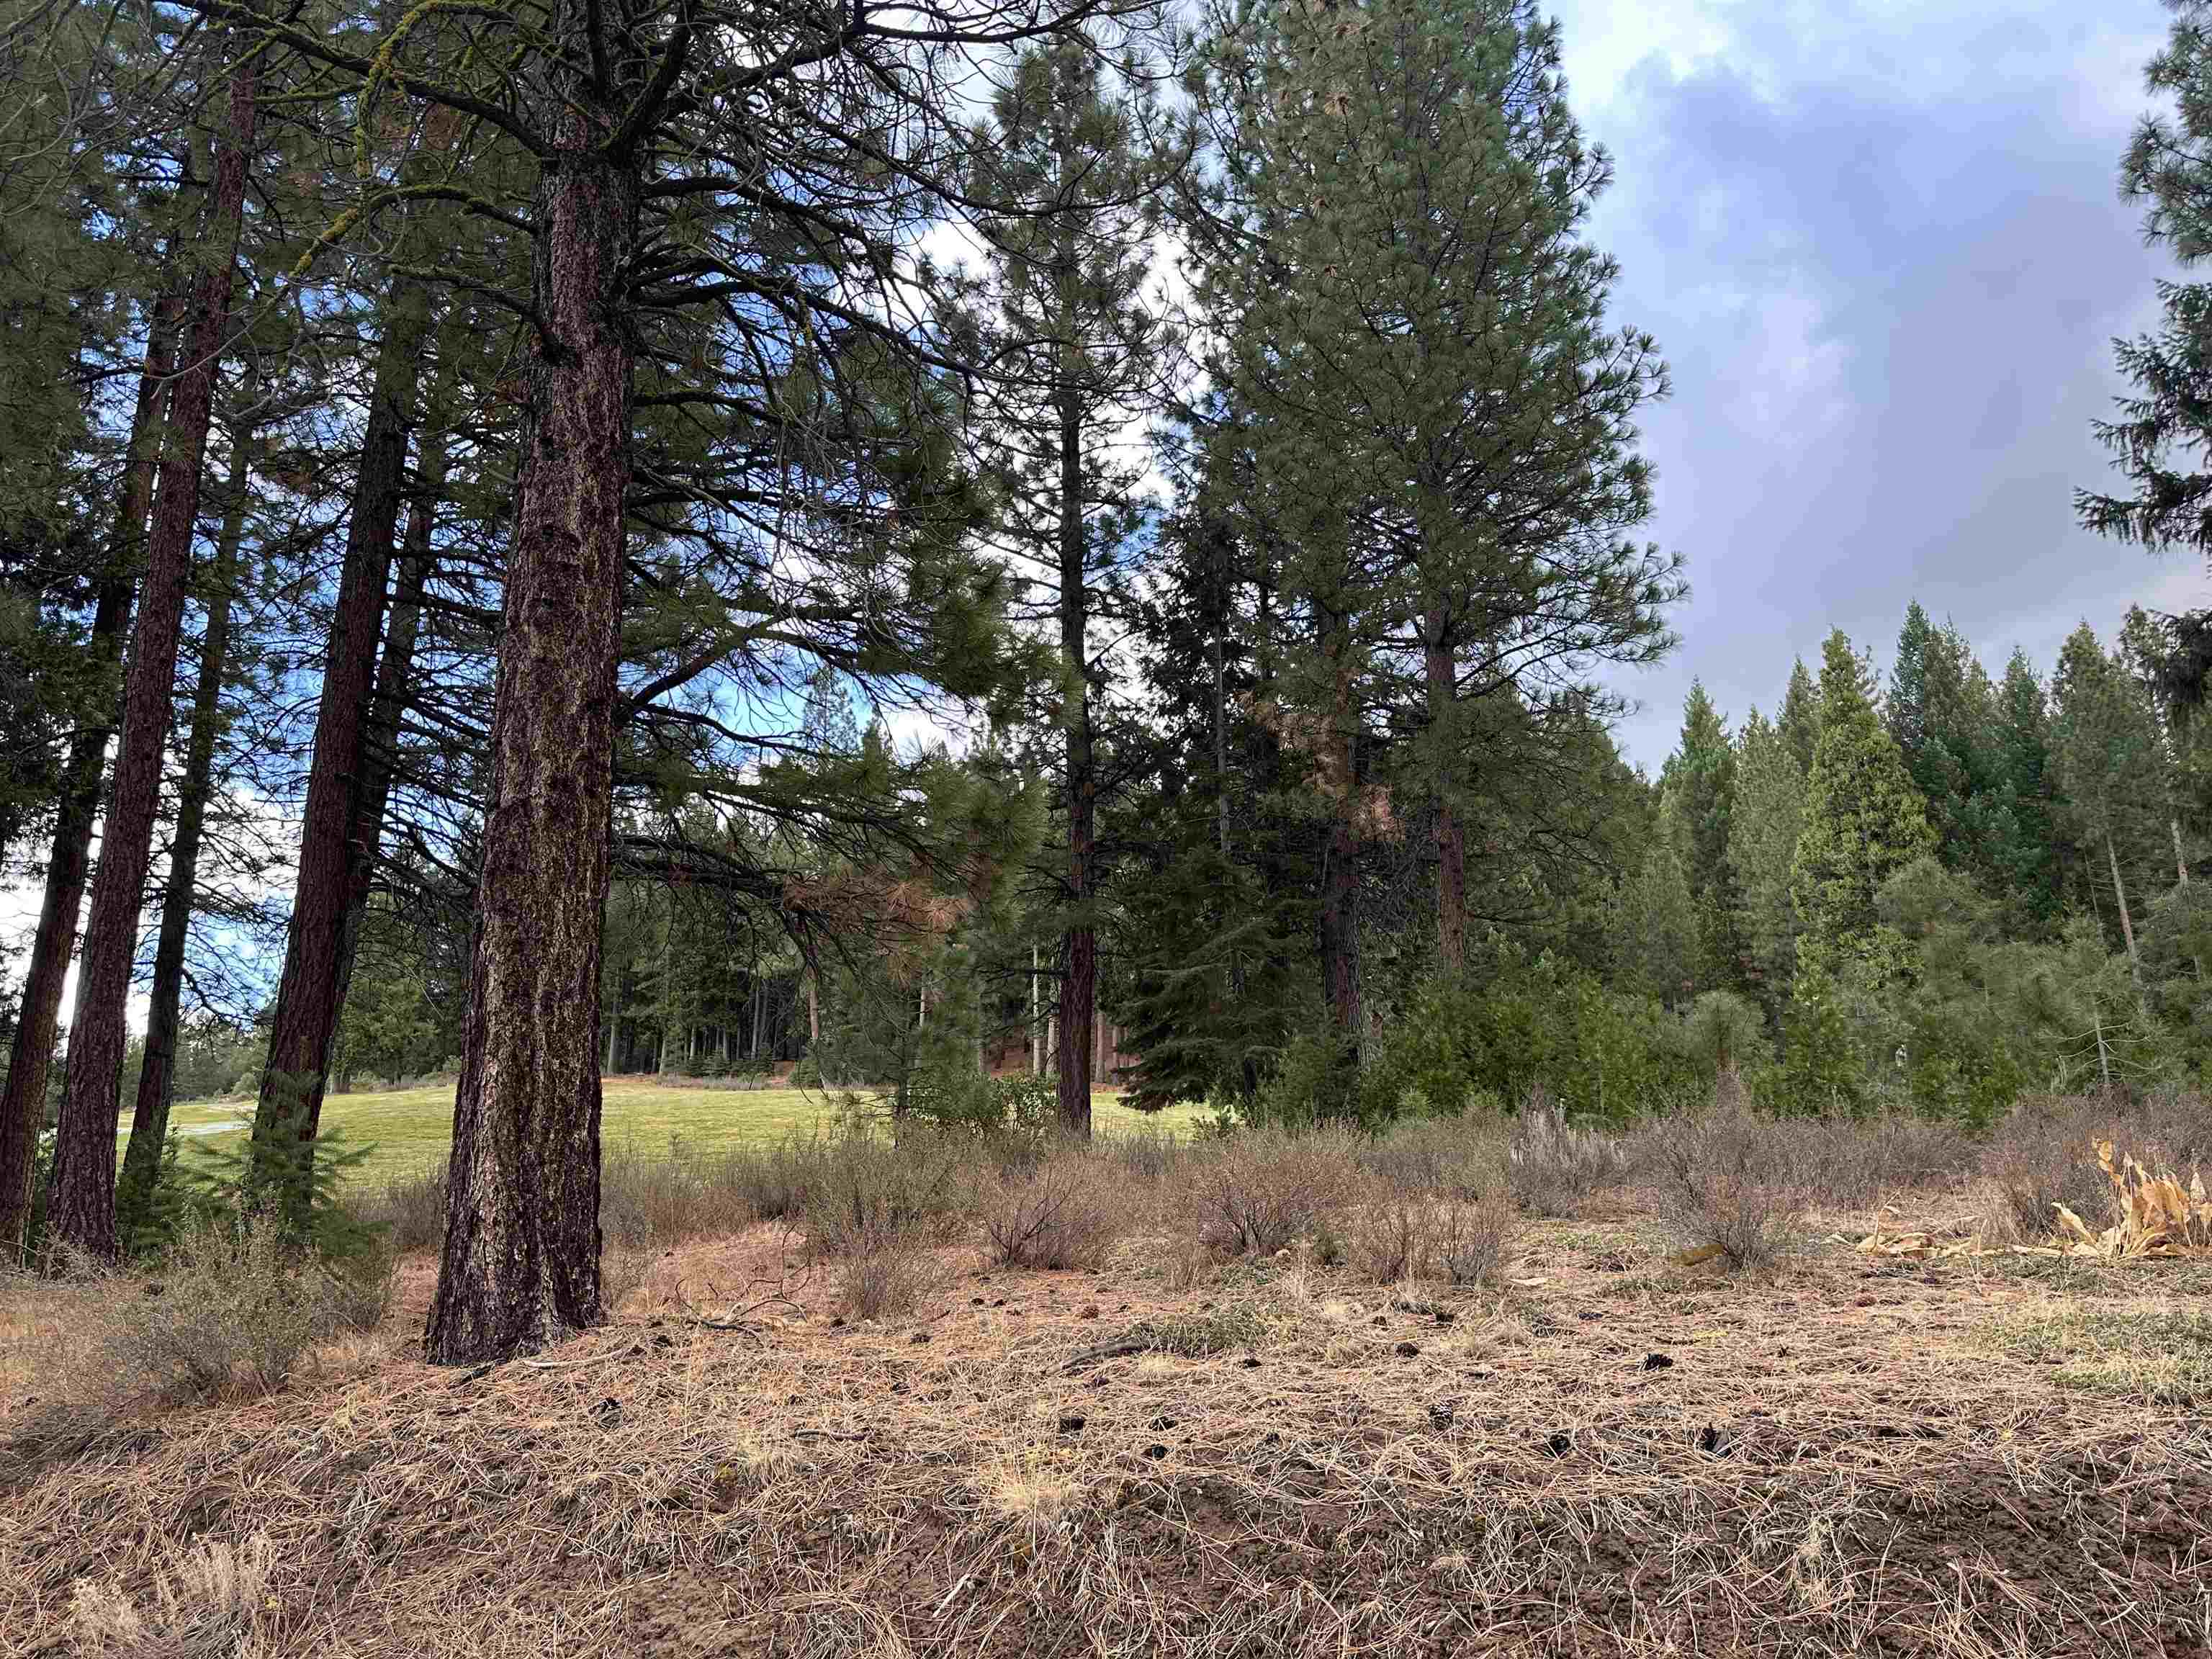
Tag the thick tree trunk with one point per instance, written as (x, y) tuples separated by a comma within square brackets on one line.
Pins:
[(1078, 945), (31, 1055), (1443, 672), (521, 1268), (331, 849), (157, 1076), (80, 1212)]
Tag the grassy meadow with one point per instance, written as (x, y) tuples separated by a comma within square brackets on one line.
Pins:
[(409, 1129)]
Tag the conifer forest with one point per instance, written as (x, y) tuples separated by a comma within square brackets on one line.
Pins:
[(1039, 598)]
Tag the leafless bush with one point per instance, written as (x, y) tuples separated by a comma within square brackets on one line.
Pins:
[(1724, 1186), (1149, 1156), (885, 1269), (862, 1190), (209, 1605), (1414, 1236), (1067, 1212), (1458, 1156), (1554, 1167), (2040, 1158), (1850, 1164), (1259, 1191)]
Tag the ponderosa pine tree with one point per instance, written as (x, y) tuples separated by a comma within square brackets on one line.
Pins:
[(1068, 172), (700, 320), (81, 1205), (156, 1090), (1863, 819)]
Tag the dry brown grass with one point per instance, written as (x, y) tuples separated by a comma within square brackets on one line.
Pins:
[(1836, 1463), (1590, 1452)]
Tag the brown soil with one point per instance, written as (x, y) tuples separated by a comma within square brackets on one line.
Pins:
[(1610, 1456)]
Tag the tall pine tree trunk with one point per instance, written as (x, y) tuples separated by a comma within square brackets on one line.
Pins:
[(1078, 946), (81, 1213), (1339, 884), (31, 1054), (1442, 665), (330, 850), (521, 1268), (395, 667), (157, 1076)]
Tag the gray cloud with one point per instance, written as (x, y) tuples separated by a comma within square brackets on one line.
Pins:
[(1882, 250)]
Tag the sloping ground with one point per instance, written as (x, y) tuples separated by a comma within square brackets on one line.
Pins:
[(1861, 1457)]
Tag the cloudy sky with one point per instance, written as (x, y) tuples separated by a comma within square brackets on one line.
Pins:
[(1880, 244)]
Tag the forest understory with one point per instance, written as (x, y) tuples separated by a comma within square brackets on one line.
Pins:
[(1594, 1448)]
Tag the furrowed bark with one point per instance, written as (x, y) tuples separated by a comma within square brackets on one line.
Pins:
[(31, 1055), (306, 1012), (80, 1212), (157, 1075), (394, 666), (1442, 667), (521, 1268), (1078, 945)]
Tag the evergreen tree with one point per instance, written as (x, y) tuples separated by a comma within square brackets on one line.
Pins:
[(1863, 819), (2022, 850), (2109, 771), (2161, 432), (1764, 826), (1700, 789), (1799, 722), (1069, 160), (1660, 944)]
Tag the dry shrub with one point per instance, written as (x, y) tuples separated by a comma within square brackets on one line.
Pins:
[(208, 1606), (879, 1210), (1262, 1188), (2039, 1159), (1151, 1156), (1852, 1164), (1412, 1236), (885, 1270), (1460, 1157), (1067, 1213), (1725, 1185), (1556, 1168), (225, 1314), (408, 1209), (861, 1190)]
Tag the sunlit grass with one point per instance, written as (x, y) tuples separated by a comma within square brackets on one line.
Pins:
[(410, 1129)]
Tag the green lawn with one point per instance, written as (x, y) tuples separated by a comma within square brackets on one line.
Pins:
[(410, 1129)]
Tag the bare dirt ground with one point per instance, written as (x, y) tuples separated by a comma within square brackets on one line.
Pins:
[(1611, 1456)]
